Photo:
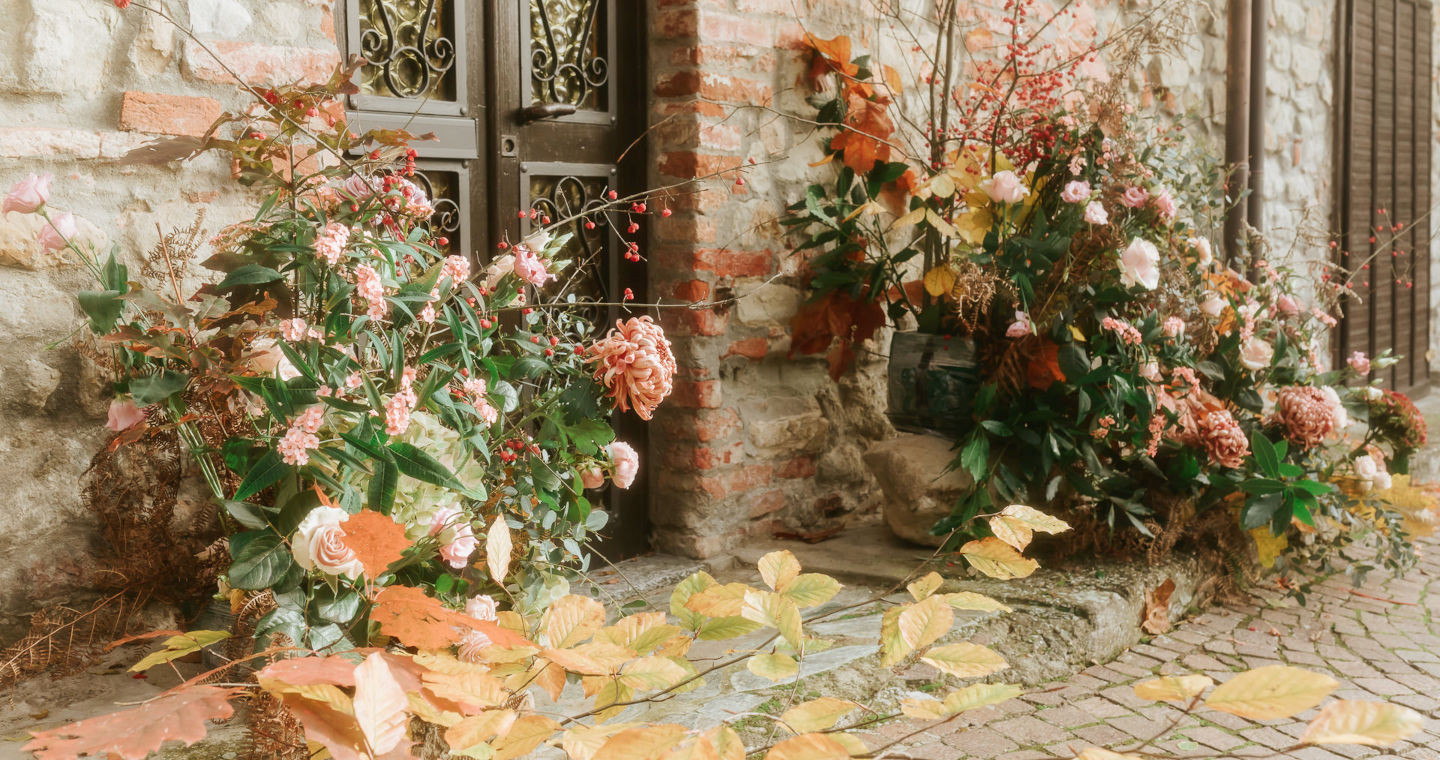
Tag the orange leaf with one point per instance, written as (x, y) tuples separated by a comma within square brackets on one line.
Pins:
[(422, 622), (377, 540), (307, 671), (1044, 367), (1157, 608), (134, 734), (867, 126)]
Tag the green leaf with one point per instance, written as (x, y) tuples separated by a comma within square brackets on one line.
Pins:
[(103, 307), (249, 515), (1265, 457), (381, 494), (338, 605), (114, 275), (152, 389), (421, 466), (260, 559), (250, 274), (1314, 488), (975, 457), (1262, 486), (270, 469)]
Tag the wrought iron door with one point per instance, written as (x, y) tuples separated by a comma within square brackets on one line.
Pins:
[(525, 99)]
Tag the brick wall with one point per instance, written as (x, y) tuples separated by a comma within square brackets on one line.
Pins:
[(751, 441), (82, 83)]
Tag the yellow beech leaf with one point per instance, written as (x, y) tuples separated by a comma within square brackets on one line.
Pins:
[(1096, 753), (473, 691), (940, 280), (1034, 518), (593, 659), (969, 600), (923, 708), (966, 660), (1268, 547), (775, 611), (723, 628), (497, 549), (179, 646), (997, 559), (775, 667), (892, 645), (853, 744), (809, 747), (1271, 692), (925, 586), (382, 711), (651, 673), (570, 620), (924, 622), (642, 632), (940, 225), (777, 569), (942, 186), (1377, 724), (811, 590), (525, 734), (909, 219), (1012, 532), (979, 695), (479, 729), (641, 742), (1180, 689), (582, 742), (817, 714), (719, 601), (1077, 334), (684, 591), (726, 742), (973, 225)]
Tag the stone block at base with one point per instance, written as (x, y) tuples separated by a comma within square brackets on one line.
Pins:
[(919, 488)]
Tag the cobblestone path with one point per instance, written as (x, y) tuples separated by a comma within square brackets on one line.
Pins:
[(1381, 641)]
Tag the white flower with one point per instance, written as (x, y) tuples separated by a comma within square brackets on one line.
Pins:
[(266, 358), (1212, 305), (1005, 187), (482, 607), (1205, 256), (1095, 213), (319, 544), (1337, 409), (1021, 327), (1256, 354), (1075, 191), (497, 269), (1140, 265)]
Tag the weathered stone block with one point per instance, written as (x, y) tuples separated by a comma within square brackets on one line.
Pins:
[(911, 471)]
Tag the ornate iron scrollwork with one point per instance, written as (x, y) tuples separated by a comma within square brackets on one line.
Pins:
[(566, 196), (443, 190), (567, 52), (409, 48)]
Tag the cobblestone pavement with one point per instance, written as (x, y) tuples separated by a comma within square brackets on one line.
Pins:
[(1380, 641)]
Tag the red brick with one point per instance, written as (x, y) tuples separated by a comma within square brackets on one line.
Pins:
[(686, 229), (691, 291), (689, 164), (157, 113), (799, 467), (703, 394), (704, 457), (259, 64), (750, 348), (736, 481), (721, 27), (765, 503), (727, 263), (676, 24), (734, 89), (742, 57), (689, 322), (678, 84), (701, 107), (713, 425), (780, 7)]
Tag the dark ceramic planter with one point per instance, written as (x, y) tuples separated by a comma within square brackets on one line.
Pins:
[(932, 382)]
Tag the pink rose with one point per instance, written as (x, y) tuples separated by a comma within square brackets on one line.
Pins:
[(1165, 204), (530, 267), (123, 415), (473, 642), (27, 195), (1140, 265), (1095, 213), (1020, 327), (592, 477), (57, 232), (1075, 191), (1213, 305), (482, 607), (457, 537), (1134, 197), (1359, 362), (1204, 256), (1287, 305), (1256, 354), (1151, 371), (1005, 187), (1173, 326), (319, 544), (627, 464)]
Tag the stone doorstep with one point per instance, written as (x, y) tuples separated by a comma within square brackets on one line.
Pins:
[(1062, 621)]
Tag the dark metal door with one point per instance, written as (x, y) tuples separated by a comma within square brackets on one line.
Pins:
[(525, 98)]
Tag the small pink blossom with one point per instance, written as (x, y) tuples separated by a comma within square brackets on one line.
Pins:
[(353, 381), (330, 245), (635, 364), (1173, 327), (123, 415), (1359, 362), (296, 445), (627, 464), (530, 267), (1095, 213), (1124, 330), (399, 407), (28, 195), (1287, 306), (457, 269), (1075, 191), (57, 232), (1021, 327), (1005, 187), (310, 419), (1165, 205), (293, 329), (369, 287), (592, 477), (1134, 197)]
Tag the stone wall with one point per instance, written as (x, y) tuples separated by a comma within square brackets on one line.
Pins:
[(81, 83)]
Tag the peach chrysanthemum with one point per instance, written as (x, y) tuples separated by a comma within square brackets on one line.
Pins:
[(1223, 439), (1307, 414), (635, 365)]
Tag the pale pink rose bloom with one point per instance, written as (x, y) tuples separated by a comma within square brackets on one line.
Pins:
[(1134, 197), (1005, 187), (1095, 213), (1256, 354), (1151, 371), (359, 187), (27, 195), (293, 329), (592, 477), (1359, 362), (1213, 305), (1204, 255), (1021, 327), (1140, 265), (319, 544), (123, 415), (497, 269), (530, 267), (1287, 305), (1173, 326), (266, 358), (635, 363), (56, 233), (627, 464), (1165, 204), (1075, 191), (456, 534), (1337, 409), (473, 642), (482, 607)]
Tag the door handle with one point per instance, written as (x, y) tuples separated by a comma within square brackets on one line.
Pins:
[(538, 111)]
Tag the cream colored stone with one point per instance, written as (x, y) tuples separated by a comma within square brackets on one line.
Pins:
[(918, 492)]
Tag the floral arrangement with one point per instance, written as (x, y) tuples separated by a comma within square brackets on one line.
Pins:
[(1120, 363)]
